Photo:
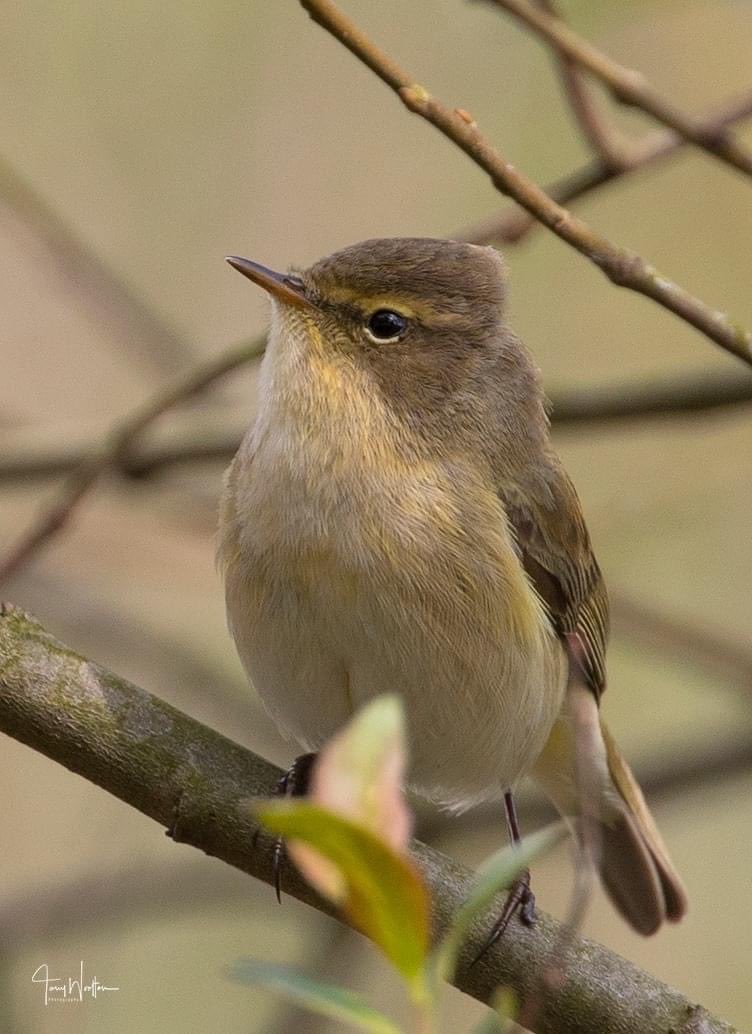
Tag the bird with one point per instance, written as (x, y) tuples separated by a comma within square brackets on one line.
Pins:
[(397, 520)]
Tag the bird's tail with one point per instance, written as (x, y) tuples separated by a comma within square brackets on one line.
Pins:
[(587, 775)]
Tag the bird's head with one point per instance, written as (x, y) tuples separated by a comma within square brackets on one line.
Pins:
[(396, 297), (418, 321)]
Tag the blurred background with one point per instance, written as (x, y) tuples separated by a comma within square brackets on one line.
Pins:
[(142, 143)]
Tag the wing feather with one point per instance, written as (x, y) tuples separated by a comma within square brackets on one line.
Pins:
[(556, 553)]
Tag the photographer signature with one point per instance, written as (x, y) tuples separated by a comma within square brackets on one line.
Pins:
[(70, 989)]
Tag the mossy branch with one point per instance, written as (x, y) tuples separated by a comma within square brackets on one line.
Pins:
[(197, 784)]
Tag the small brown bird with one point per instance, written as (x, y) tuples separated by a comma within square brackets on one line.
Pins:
[(396, 520)]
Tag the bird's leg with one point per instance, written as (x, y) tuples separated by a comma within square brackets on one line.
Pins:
[(294, 783), (520, 890), (520, 897)]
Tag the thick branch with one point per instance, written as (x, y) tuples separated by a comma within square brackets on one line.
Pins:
[(197, 783), (626, 85), (623, 267)]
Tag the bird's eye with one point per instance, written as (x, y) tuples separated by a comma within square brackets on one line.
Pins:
[(386, 325)]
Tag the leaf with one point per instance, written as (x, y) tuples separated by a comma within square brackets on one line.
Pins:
[(502, 1009), (360, 772), (384, 896), (336, 1002), (359, 775), (497, 872)]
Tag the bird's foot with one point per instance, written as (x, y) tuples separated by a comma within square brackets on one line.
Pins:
[(520, 899), (294, 783)]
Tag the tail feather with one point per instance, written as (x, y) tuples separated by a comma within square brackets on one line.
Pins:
[(633, 862), (629, 875), (674, 894)]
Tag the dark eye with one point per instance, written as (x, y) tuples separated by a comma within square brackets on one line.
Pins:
[(386, 324)]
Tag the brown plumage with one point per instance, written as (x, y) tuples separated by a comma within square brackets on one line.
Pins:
[(397, 519)]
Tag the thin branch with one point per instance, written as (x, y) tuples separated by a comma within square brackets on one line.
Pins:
[(695, 769), (512, 225), (623, 267), (627, 86), (25, 454), (188, 437), (607, 143), (197, 783), (116, 446), (625, 403), (717, 653), (105, 289)]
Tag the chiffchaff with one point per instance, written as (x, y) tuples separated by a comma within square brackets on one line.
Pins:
[(396, 520)]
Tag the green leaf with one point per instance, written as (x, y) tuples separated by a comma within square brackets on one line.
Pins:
[(384, 897), (360, 772), (497, 872), (336, 1002), (502, 1009)]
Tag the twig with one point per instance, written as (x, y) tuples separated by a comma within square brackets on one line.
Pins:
[(626, 85), (605, 141), (105, 289), (624, 403), (197, 783), (695, 644), (512, 225), (623, 267), (116, 446), (25, 454), (189, 437), (692, 770)]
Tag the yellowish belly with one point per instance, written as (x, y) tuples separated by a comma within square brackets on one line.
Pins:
[(411, 587)]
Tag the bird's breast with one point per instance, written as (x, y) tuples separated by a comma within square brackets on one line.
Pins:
[(353, 569)]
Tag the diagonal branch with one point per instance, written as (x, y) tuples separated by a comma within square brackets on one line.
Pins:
[(105, 288), (112, 452), (605, 141), (512, 225), (623, 267), (197, 783), (626, 85), (720, 654)]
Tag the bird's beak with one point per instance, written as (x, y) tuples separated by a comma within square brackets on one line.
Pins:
[(288, 289)]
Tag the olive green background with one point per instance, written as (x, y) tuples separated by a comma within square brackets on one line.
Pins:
[(170, 135)]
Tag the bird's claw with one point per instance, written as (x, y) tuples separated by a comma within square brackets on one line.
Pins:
[(294, 783), (520, 899)]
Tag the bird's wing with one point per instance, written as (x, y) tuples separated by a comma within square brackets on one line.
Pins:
[(556, 553)]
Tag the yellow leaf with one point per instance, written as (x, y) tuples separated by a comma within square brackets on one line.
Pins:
[(384, 896)]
